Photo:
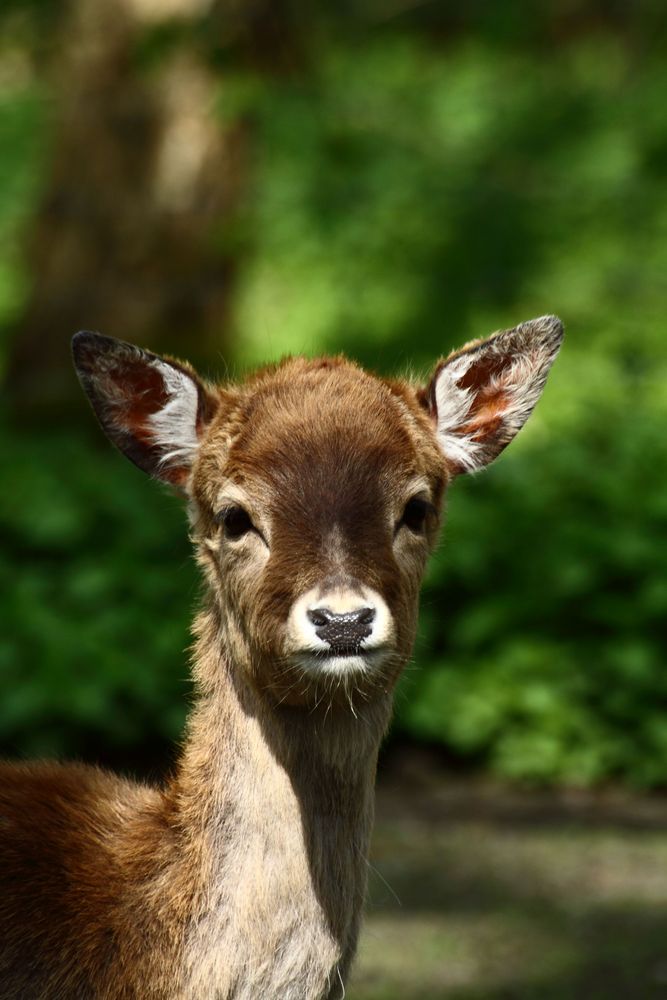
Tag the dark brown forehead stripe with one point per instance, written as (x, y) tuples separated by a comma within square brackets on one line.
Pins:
[(324, 433)]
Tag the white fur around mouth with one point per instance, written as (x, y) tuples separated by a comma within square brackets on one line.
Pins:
[(320, 661)]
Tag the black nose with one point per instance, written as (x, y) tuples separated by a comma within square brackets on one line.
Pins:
[(344, 632)]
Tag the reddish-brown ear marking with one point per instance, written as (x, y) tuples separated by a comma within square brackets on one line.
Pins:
[(152, 408), (482, 395)]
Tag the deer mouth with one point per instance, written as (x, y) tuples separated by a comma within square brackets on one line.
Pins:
[(340, 650), (343, 659)]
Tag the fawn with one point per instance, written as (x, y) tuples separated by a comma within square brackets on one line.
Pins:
[(315, 492)]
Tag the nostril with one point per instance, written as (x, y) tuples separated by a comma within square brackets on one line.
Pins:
[(366, 616), (320, 616)]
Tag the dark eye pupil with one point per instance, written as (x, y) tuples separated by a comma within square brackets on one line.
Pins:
[(236, 522), (414, 515)]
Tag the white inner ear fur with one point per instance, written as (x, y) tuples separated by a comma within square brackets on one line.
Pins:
[(174, 427), (529, 351), (453, 405)]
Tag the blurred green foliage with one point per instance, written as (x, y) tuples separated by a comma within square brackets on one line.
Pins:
[(23, 132), (411, 195), (410, 191), (97, 588)]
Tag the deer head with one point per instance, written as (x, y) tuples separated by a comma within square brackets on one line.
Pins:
[(316, 491)]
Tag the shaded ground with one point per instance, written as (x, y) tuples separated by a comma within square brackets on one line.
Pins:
[(480, 894)]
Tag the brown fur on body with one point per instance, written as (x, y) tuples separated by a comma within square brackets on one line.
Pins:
[(244, 877)]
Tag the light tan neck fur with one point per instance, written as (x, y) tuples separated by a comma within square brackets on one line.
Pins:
[(278, 805)]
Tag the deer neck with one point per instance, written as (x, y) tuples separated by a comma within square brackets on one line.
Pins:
[(277, 803)]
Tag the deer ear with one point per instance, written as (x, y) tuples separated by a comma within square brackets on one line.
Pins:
[(482, 395), (152, 408)]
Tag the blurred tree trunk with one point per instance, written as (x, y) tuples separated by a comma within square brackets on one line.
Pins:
[(143, 196)]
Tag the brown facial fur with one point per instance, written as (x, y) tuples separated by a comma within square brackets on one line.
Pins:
[(327, 454)]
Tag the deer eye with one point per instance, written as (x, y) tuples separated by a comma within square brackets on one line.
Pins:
[(415, 514), (235, 521)]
